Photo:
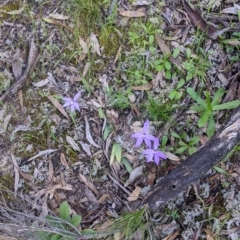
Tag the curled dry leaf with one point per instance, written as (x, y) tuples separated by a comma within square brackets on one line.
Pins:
[(88, 134), (172, 157), (72, 143), (134, 195), (82, 178), (94, 44), (58, 106), (58, 16), (132, 14)]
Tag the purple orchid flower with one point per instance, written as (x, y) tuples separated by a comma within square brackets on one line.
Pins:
[(154, 154), (144, 136), (72, 102)]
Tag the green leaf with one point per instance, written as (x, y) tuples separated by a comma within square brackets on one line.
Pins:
[(64, 211), (101, 113), (191, 150), (87, 232), (172, 94), (164, 140), (182, 143), (76, 220), (197, 108), (194, 140), (174, 134), (52, 221), (180, 83), (211, 126), (56, 237), (194, 95), (176, 52), (159, 68), (228, 105), (116, 153), (181, 149), (189, 76), (127, 165), (151, 39), (168, 74), (167, 65), (107, 130), (217, 97), (188, 52), (220, 170), (203, 120)]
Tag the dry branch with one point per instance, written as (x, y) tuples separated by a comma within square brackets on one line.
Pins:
[(33, 51), (197, 165)]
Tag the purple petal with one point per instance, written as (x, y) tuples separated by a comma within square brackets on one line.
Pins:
[(66, 104), (147, 151), (146, 126), (76, 96), (76, 105), (155, 143), (72, 108), (156, 159), (139, 141), (148, 142), (161, 155), (150, 157), (150, 137), (67, 99)]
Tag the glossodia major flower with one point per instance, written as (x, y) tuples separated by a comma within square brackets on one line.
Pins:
[(153, 154), (72, 102), (144, 136)]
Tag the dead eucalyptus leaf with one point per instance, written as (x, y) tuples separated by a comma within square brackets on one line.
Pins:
[(48, 151), (88, 134), (142, 2), (134, 195), (64, 161), (172, 156), (16, 173), (143, 87), (41, 83), (55, 22), (58, 106), (72, 143), (132, 14), (199, 22), (134, 174), (231, 10), (58, 16), (15, 12), (94, 44), (82, 178), (17, 65)]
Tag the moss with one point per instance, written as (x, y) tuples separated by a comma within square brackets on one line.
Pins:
[(8, 8)]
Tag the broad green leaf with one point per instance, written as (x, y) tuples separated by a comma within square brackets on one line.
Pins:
[(76, 220), (127, 165), (182, 143), (101, 113), (181, 149), (107, 130), (116, 153), (64, 211), (87, 232), (203, 120), (188, 52), (220, 170), (211, 126), (208, 100), (174, 134), (172, 94), (189, 76), (159, 68), (176, 52), (168, 74), (194, 95), (180, 83), (217, 97), (194, 140), (197, 108), (56, 237), (164, 140), (167, 65), (151, 39), (228, 105), (191, 150)]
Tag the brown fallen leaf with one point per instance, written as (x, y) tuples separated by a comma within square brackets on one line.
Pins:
[(134, 195), (58, 106), (16, 173), (58, 16), (103, 198), (64, 161), (143, 87), (55, 22), (82, 178), (132, 14), (199, 22)]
